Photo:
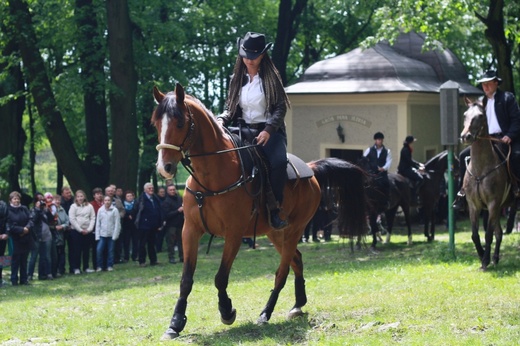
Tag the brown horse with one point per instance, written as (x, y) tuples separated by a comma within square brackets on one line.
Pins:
[(218, 200), (486, 182)]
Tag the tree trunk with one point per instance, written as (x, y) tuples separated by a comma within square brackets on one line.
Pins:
[(495, 34), (92, 58), (125, 143), (288, 21), (40, 88), (11, 131)]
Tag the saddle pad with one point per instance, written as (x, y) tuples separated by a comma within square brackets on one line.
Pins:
[(297, 168)]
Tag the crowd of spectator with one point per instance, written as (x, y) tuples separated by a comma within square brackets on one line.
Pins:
[(65, 233)]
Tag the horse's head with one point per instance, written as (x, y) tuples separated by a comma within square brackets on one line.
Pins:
[(174, 122), (475, 122)]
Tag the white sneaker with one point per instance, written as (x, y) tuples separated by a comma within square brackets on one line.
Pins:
[(76, 272), (99, 269), (88, 270), (110, 269)]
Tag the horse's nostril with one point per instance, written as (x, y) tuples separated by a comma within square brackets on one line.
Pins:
[(168, 167)]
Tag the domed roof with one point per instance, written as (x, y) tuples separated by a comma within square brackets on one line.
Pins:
[(385, 68)]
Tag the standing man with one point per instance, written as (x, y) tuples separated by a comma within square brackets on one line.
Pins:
[(379, 162), (148, 222), (174, 220), (503, 118)]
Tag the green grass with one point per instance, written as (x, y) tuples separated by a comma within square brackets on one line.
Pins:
[(410, 295)]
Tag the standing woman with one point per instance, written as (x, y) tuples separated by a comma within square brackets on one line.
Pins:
[(3, 233), (18, 226), (257, 98), (82, 220)]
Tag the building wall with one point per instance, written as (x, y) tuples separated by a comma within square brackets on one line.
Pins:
[(313, 119)]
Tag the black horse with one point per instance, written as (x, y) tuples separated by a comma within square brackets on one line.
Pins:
[(398, 196), (430, 192)]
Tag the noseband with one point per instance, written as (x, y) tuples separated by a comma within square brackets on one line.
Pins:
[(183, 148)]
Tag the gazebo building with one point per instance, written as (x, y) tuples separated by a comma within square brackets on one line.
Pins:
[(339, 103)]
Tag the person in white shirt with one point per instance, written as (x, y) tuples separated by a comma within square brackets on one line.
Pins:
[(257, 99), (379, 161)]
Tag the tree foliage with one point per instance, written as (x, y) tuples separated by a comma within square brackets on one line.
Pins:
[(90, 65)]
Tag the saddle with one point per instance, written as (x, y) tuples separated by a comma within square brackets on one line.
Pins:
[(244, 136)]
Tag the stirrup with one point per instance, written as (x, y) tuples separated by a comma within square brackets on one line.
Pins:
[(276, 222)]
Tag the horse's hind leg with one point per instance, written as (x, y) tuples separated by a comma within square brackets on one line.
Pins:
[(299, 286), (498, 236), (227, 312)]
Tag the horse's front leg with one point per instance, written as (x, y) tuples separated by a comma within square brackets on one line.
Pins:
[(190, 243), (498, 236), (474, 219), (287, 251), (495, 229), (227, 312)]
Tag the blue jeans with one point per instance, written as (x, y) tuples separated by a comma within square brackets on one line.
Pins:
[(43, 250), (108, 243)]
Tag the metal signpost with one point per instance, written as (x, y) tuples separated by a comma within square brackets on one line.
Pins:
[(449, 92)]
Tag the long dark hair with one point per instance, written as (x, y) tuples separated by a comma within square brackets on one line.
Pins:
[(272, 83)]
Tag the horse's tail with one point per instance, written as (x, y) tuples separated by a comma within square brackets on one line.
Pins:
[(344, 182)]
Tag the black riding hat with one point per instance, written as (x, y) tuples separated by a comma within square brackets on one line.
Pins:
[(489, 76), (379, 135), (252, 45), (410, 139)]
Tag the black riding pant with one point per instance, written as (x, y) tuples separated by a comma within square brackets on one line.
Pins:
[(276, 152)]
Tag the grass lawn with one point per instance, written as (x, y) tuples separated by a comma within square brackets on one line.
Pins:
[(410, 295)]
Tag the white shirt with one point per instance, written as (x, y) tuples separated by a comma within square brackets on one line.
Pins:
[(252, 101), (492, 120)]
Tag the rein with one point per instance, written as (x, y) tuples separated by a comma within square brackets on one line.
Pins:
[(505, 161)]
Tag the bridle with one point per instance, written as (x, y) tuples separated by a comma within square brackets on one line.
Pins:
[(186, 162), (183, 148)]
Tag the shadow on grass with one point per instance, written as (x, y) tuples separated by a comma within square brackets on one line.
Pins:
[(291, 332)]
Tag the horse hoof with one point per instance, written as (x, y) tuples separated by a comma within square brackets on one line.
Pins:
[(169, 334), (262, 319), (231, 320), (295, 312)]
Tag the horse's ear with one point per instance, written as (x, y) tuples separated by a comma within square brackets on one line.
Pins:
[(179, 93), (157, 94), (468, 101)]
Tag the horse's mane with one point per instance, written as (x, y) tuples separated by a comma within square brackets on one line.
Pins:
[(434, 160), (169, 107)]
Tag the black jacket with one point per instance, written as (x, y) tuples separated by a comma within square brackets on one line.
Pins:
[(406, 163), (173, 217), (148, 217), (17, 219), (508, 114)]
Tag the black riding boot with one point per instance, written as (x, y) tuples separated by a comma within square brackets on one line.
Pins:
[(276, 221)]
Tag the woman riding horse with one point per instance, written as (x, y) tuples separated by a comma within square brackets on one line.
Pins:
[(257, 96)]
